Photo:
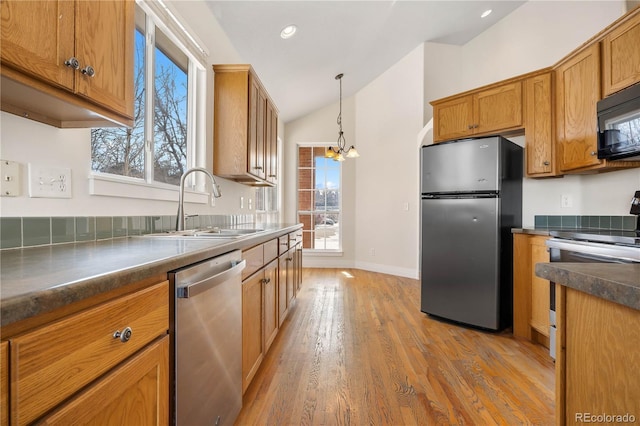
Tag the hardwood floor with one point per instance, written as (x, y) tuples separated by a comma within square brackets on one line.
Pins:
[(356, 350)]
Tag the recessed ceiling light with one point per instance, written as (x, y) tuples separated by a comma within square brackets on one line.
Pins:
[(486, 13), (288, 31)]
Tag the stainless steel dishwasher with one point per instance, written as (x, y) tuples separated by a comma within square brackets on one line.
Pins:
[(207, 341)]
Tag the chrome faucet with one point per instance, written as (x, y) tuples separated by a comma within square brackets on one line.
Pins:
[(215, 191)]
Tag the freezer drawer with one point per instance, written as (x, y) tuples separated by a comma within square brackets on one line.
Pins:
[(461, 260)]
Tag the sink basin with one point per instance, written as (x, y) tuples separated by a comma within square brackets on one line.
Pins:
[(214, 233)]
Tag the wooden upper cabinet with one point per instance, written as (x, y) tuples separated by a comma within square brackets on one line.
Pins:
[(621, 55), (272, 145), (498, 108), (243, 126), (453, 118), (104, 43), (488, 110), (42, 53), (66, 63), (539, 151), (577, 92)]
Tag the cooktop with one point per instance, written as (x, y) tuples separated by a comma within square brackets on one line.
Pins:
[(610, 236)]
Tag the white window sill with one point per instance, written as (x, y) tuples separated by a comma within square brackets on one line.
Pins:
[(122, 187)]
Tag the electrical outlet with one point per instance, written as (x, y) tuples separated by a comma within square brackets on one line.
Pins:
[(49, 182), (567, 201), (10, 178)]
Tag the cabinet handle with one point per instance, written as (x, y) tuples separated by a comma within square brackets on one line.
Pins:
[(546, 163), (124, 336), (72, 62), (272, 175), (258, 168), (88, 71)]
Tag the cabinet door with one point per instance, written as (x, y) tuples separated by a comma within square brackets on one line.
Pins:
[(136, 392), (290, 277), (104, 41), (539, 288), (271, 144), (498, 108), (38, 37), (538, 127), (282, 288), (270, 289), (577, 92), (252, 341), (453, 119), (4, 383), (621, 56), (257, 107)]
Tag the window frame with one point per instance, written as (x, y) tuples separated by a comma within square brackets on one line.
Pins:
[(158, 16), (317, 251)]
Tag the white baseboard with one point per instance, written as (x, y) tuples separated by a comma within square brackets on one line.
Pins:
[(332, 262)]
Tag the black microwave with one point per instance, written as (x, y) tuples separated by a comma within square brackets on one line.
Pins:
[(619, 125)]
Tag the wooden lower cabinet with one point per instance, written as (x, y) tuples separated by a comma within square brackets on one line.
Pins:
[(136, 393), (285, 284), (252, 340), (76, 357), (530, 292), (597, 360), (260, 323)]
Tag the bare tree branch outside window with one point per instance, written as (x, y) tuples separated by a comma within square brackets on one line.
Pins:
[(120, 151)]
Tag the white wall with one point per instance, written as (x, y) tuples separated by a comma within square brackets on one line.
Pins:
[(389, 115), (27, 141)]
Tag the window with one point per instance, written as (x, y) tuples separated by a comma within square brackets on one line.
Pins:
[(156, 149), (319, 199)]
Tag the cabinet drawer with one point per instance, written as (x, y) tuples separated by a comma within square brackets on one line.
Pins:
[(270, 250), (255, 260), (53, 362), (283, 244)]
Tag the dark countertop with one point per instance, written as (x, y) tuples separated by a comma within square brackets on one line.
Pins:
[(619, 283), (534, 231), (37, 280)]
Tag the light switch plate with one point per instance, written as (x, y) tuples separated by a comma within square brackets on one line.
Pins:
[(10, 178), (49, 182)]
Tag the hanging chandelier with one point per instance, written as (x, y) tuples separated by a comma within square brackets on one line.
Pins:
[(339, 152)]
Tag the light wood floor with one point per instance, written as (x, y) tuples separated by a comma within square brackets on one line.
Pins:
[(356, 350)]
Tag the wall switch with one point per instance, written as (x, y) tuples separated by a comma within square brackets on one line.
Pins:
[(10, 175), (405, 207), (49, 182), (566, 201), (242, 202)]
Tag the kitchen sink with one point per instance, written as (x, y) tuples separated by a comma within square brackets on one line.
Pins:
[(212, 233)]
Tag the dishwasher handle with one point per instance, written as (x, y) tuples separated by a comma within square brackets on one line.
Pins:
[(196, 288)]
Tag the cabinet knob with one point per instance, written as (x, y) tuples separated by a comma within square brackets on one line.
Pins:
[(89, 71), (475, 126), (123, 335), (72, 62), (258, 168), (546, 163), (593, 153), (470, 126)]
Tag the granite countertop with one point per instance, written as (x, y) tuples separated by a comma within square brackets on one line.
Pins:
[(619, 283), (37, 280)]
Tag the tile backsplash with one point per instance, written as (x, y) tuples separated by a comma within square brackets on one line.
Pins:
[(627, 223), (16, 232)]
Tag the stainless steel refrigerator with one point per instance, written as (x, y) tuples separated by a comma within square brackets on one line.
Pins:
[(471, 198)]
